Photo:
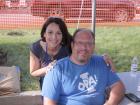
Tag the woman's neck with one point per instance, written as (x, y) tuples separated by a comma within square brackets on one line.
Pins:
[(53, 51)]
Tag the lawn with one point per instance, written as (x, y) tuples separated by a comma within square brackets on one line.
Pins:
[(121, 43)]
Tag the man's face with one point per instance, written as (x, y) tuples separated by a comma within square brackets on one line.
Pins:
[(82, 47)]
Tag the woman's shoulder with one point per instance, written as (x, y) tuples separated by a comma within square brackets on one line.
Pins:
[(36, 43), (36, 48)]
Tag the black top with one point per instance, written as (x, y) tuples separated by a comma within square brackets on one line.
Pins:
[(44, 57)]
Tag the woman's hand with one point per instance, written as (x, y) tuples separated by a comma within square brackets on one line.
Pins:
[(109, 62), (50, 66)]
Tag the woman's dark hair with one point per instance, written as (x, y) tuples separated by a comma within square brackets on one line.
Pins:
[(66, 37)]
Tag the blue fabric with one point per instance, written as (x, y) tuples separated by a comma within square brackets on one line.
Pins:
[(44, 58), (71, 84)]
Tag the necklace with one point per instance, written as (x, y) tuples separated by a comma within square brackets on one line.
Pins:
[(52, 58), (53, 54)]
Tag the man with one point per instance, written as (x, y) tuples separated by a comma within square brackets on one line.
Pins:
[(82, 78)]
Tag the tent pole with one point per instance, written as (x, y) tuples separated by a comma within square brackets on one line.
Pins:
[(93, 16), (80, 14)]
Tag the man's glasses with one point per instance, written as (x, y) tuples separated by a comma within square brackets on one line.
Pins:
[(79, 43)]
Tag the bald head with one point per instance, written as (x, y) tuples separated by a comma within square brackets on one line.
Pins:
[(83, 30)]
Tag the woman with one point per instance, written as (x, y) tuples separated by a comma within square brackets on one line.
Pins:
[(54, 45)]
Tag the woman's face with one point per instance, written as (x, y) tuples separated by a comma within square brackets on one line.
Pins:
[(53, 35)]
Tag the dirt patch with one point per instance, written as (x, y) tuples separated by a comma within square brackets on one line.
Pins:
[(16, 33)]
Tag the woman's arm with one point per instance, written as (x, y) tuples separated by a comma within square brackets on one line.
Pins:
[(35, 69)]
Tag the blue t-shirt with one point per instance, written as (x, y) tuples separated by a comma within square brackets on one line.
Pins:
[(72, 84)]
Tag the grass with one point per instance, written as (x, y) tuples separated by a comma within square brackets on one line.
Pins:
[(122, 43), (17, 47)]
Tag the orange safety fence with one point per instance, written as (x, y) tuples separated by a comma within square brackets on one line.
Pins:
[(32, 13)]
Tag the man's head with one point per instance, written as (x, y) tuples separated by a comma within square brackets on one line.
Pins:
[(82, 45)]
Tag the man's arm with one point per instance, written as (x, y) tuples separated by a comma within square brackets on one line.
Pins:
[(48, 101), (116, 94)]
